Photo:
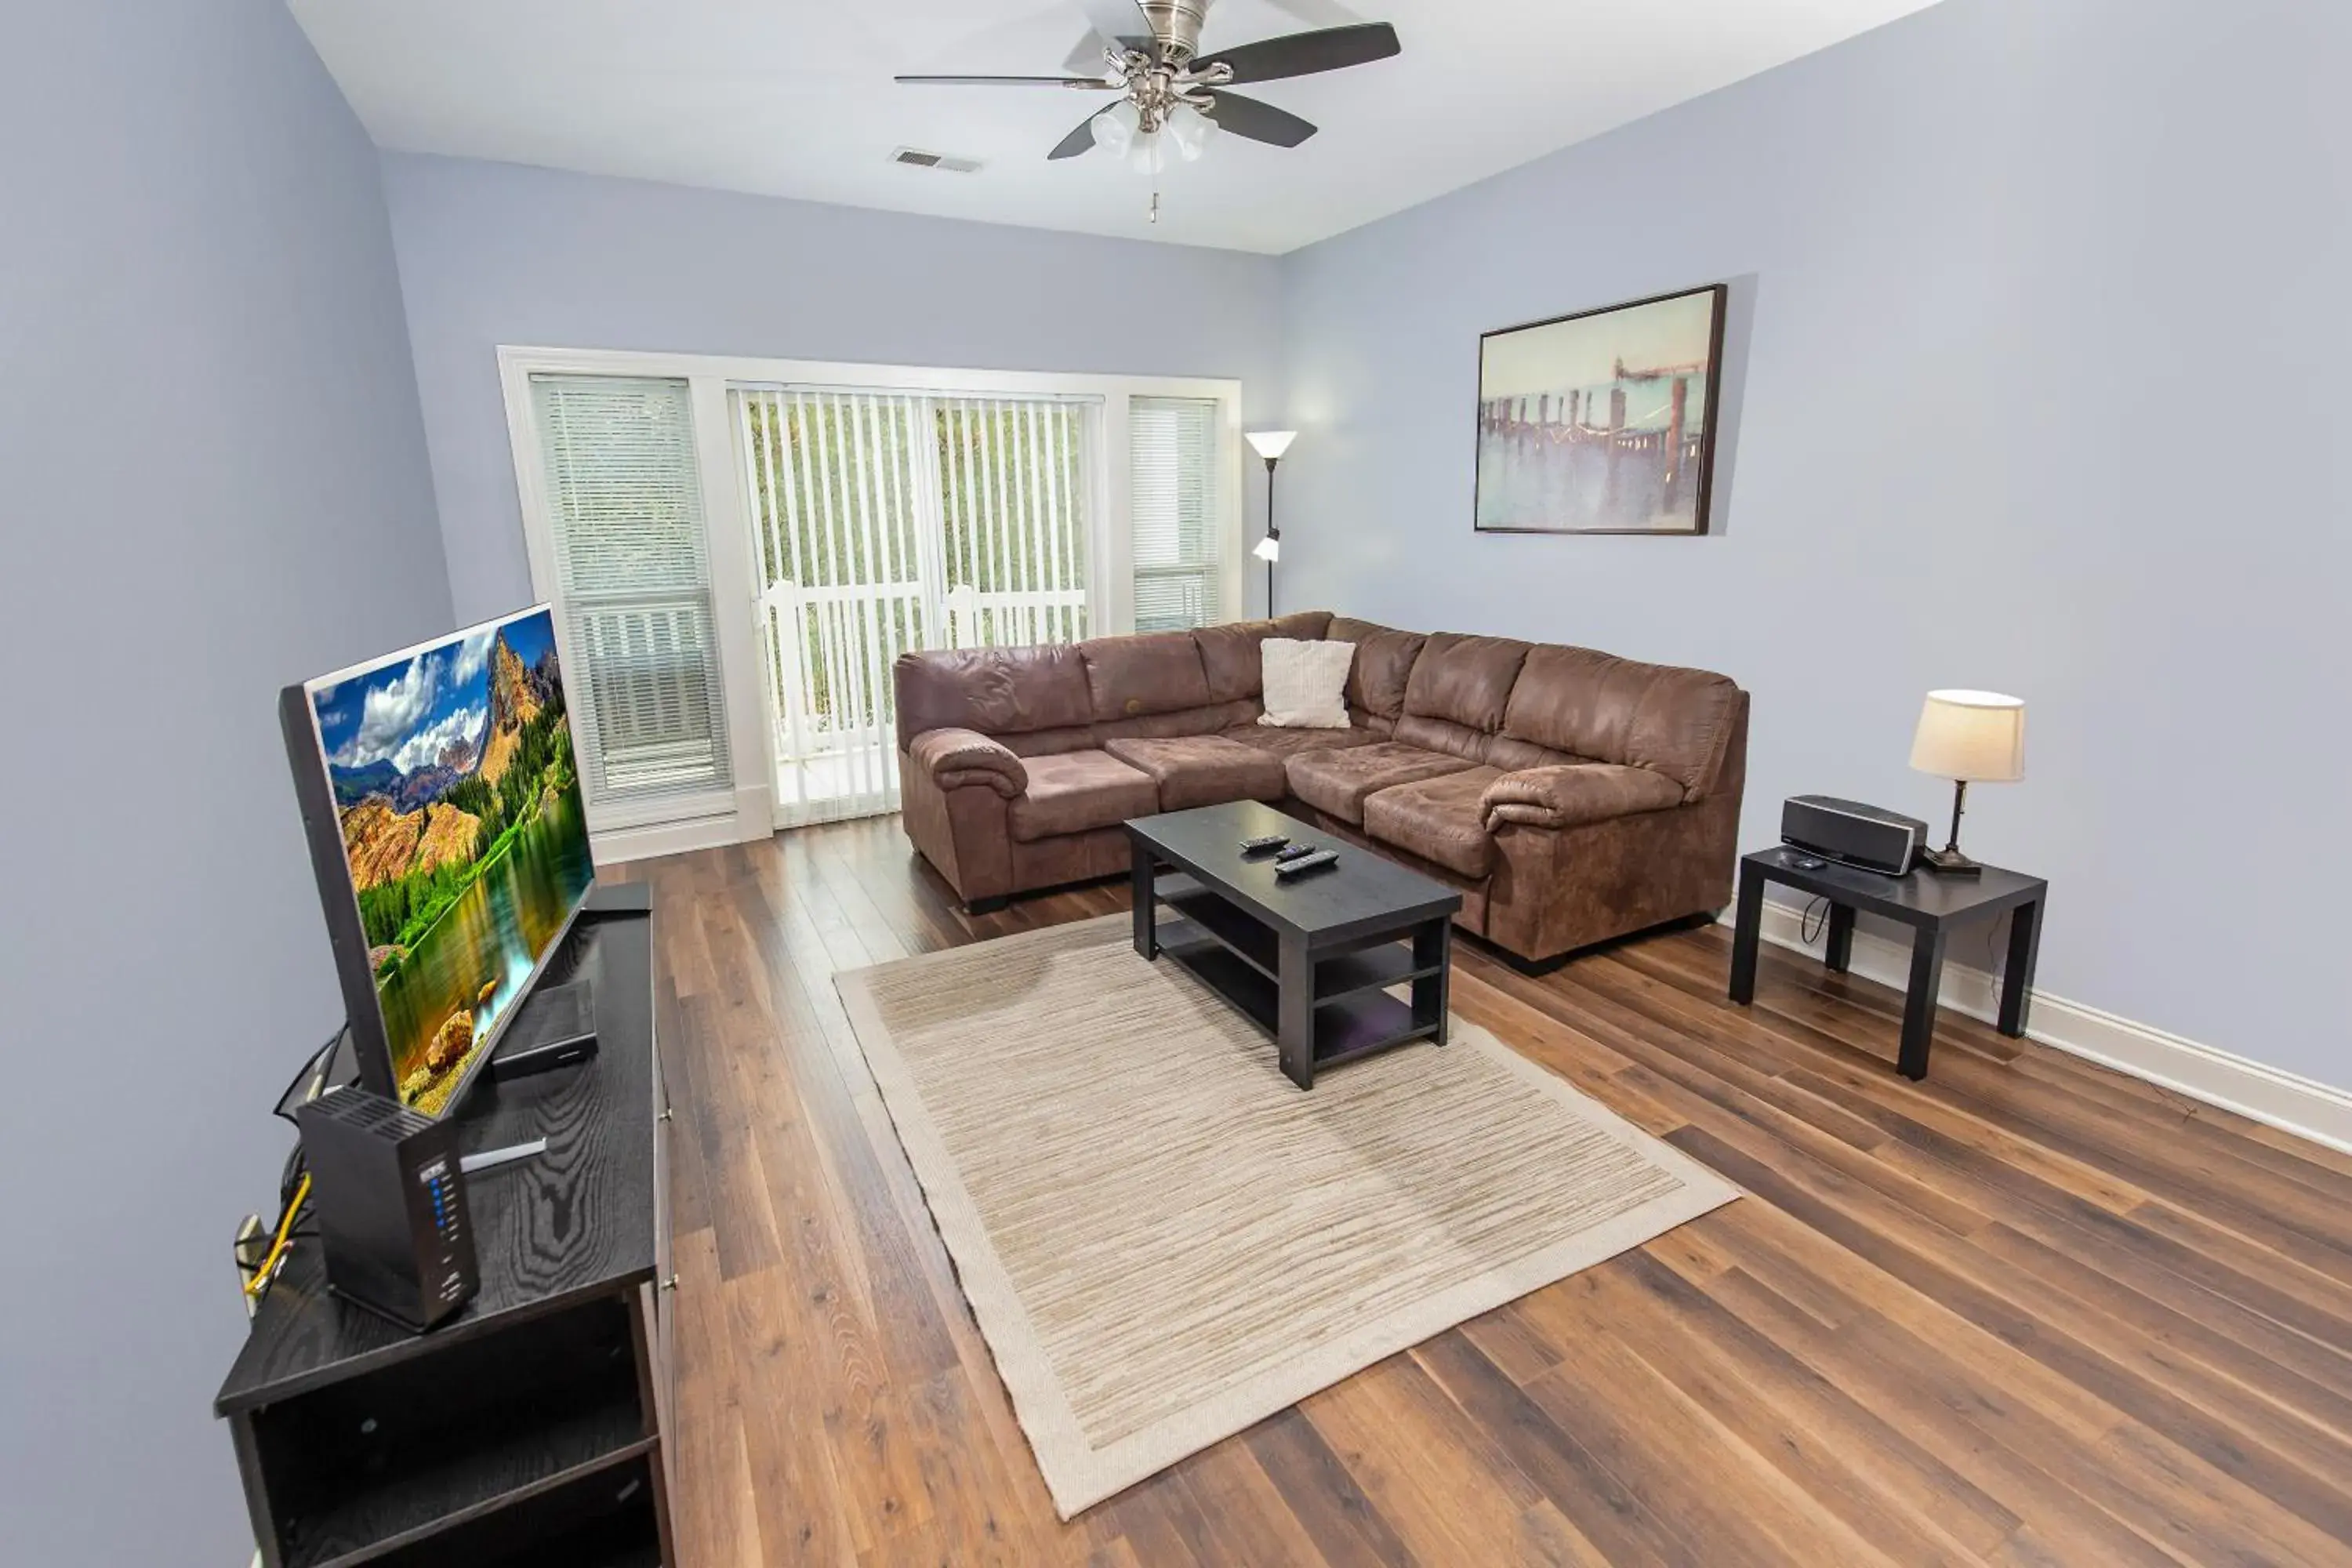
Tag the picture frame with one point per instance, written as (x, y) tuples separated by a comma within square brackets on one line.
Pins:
[(1602, 421)]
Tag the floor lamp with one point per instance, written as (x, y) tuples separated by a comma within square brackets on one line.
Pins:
[(1271, 445)]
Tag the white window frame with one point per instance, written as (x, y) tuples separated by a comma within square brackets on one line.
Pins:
[(656, 827)]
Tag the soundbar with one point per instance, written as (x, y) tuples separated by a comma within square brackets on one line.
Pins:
[(1867, 837)]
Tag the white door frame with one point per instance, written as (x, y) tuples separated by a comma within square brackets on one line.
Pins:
[(655, 828)]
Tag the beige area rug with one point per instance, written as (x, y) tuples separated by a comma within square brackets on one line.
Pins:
[(1164, 1241)]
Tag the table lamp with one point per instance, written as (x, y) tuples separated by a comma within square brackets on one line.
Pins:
[(1969, 737), (1270, 445)]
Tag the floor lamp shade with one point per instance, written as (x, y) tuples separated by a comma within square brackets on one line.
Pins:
[(1270, 445), (1978, 737)]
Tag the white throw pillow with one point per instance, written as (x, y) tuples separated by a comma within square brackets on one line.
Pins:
[(1304, 683)]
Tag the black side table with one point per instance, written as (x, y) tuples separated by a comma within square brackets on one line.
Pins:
[(1931, 905)]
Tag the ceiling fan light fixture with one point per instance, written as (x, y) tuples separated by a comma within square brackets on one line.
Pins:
[(1191, 131), (1146, 155), (1116, 127)]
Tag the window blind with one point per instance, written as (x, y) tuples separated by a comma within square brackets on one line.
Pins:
[(625, 498), (1173, 443), (888, 521)]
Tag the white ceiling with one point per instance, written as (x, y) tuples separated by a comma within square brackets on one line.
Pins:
[(794, 98)]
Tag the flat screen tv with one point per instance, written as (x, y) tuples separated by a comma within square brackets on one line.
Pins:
[(446, 828)]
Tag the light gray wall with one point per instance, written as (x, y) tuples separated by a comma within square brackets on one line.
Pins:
[(497, 253), (2034, 383), (212, 482)]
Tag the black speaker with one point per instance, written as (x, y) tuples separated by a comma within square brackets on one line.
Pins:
[(390, 1202), (1867, 837)]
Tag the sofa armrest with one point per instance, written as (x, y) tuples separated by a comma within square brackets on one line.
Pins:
[(1574, 794), (955, 759)]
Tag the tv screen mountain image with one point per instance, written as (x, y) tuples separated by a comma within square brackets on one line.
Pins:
[(459, 801)]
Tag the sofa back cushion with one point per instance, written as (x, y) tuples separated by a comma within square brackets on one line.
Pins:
[(1594, 705), (1159, 672), (1384, 660), (995, 690), (1510, 755), (1216, 718), (1229, 653), (1459, 689)]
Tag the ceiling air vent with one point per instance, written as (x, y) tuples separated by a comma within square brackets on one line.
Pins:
[(916, 158)]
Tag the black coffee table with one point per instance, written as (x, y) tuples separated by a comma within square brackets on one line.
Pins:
[(1309, 958)]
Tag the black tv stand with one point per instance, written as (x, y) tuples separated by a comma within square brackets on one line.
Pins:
[(533, 1427)]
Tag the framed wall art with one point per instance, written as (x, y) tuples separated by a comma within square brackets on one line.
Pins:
[(1601, 422)]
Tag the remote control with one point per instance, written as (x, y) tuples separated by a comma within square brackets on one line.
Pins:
[(1306, 862), (1260, 846), (1285, 857)]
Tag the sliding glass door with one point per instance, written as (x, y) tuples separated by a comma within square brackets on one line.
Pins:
[(739, 550), (887, 520)]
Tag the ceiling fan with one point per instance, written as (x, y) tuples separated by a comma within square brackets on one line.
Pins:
[(1151, 61)]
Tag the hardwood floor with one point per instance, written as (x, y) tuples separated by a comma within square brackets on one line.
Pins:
[(2028, 1311)]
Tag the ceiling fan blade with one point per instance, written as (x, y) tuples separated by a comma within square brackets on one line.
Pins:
[(1087, 53), (1304, 54), (1319, 12), (1082, 140), (1122, 22), (1083, 83), (1258, 122)]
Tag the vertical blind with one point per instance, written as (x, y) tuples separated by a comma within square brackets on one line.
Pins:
[(1012, 485), (1178, 574), (889, 522), (625, 498)]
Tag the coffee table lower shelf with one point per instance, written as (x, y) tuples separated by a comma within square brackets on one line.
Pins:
[(1347, 1028)]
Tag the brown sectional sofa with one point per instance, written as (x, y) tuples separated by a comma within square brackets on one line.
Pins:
[(1571, 795)]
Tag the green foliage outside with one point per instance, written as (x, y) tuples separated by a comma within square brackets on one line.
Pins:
[(399, 913)]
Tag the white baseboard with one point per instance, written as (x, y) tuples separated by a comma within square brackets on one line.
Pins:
[(752, 815), (616, 845), (2282, 1099)]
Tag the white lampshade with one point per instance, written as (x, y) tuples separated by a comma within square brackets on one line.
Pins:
[(1191, 130), (1975, 736), (1269, 549), (1115, 128), (1272, 444)]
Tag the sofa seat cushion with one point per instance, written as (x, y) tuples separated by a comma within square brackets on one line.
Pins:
[(1439, 819), (1203, 770), (1290, 742), (1075, 791), (1337, 781)]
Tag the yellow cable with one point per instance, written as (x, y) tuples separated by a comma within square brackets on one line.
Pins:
[(260, 1280)]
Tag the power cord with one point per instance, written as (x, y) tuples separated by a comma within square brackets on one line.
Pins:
[(311, 1082), (268, 1271), (293, 1183), (1808, 930)]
